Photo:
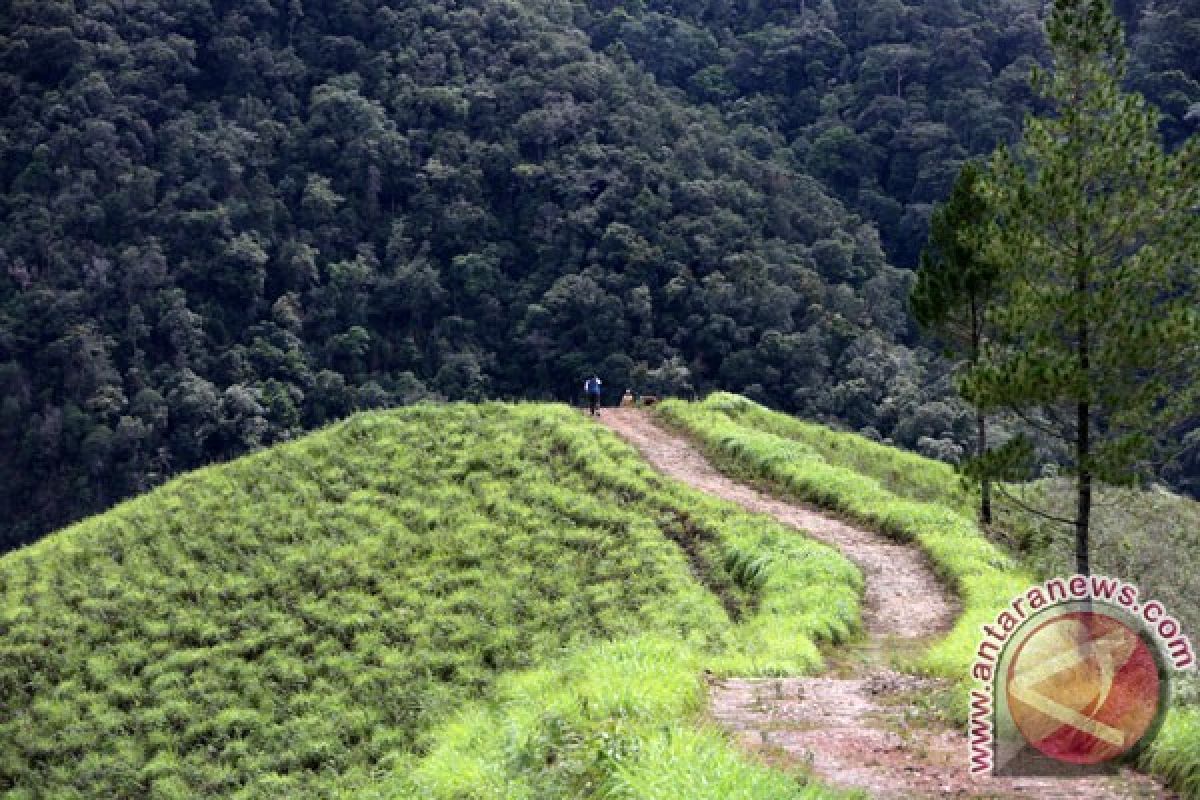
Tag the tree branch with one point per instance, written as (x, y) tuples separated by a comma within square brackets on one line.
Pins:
[(1029, 509)]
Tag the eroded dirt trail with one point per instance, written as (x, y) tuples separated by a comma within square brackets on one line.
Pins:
[(858, 727), (903, 598)]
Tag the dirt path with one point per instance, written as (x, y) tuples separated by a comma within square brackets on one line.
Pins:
[(860, 726)]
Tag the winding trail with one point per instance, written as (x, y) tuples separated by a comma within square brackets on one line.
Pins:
[(860, 726)]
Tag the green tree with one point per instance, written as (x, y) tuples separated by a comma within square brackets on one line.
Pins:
[(1100, 230), (958, 287)]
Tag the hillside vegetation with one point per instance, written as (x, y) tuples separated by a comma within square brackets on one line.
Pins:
[(487, 601), (1149, 537), (883, 100), (920, 500), (226, 223)]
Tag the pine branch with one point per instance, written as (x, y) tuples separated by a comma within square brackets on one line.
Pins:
[(1003, 492)]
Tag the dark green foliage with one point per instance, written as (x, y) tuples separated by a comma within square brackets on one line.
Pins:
[(1166, 63), (955, 284), (222, 224), (958, 286), (882, 101), (1097, 236)]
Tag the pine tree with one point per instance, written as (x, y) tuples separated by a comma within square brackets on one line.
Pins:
[(1098, 232), (957, 287)]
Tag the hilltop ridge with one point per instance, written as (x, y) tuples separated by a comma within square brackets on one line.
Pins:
[(311, 618)]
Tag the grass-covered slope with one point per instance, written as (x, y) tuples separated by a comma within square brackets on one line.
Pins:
[(899, 493), (459, 601), (916, 499)]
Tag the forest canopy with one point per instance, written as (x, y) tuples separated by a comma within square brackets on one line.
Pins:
[(224, 222)]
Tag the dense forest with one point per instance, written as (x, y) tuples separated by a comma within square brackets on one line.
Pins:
[(223, 222)]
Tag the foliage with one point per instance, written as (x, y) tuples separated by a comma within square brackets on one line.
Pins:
[(880, 101), (848, 474), (955, 287), (1098, 239), (222, 224), (1149, 537), (883, 101), (308, 619), (958, 287), (1165, 67)]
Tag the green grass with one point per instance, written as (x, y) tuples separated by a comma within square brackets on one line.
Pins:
[(902, 473), (456, 602), (1176, 752), (825, 472), (604, 722), (920, 500)]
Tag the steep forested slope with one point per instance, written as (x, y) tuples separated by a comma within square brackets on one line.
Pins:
[(883, 100), (224, 222)]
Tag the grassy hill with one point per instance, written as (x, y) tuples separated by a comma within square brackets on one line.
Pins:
[(455, 601), (1149, 538), (493, 601)]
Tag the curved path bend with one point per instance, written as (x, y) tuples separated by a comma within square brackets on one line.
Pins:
[(861, 725)]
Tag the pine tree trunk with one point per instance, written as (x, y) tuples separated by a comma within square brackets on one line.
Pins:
[(1083, 513), (985, 483), (981, 446), (1083, 444)]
